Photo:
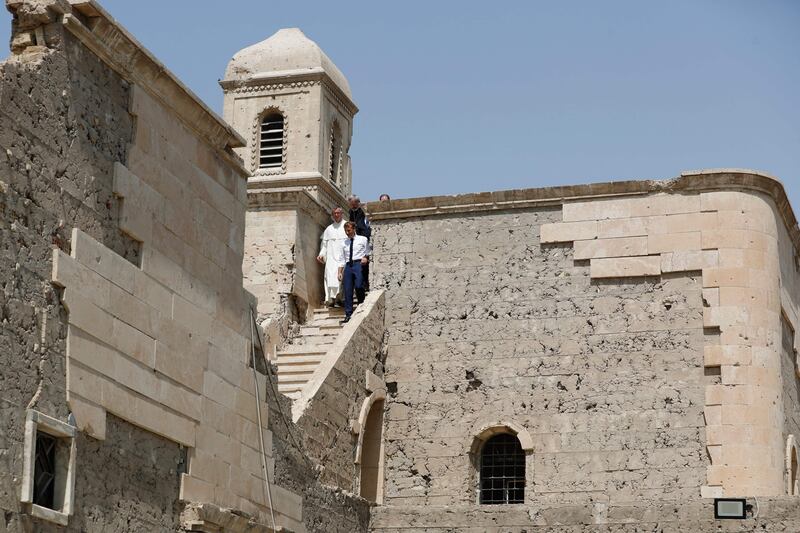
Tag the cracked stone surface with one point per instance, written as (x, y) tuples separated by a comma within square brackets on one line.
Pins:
[(486, 325), (63, 123)]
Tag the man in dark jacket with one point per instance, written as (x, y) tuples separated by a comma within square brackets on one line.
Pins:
[(359, 218)]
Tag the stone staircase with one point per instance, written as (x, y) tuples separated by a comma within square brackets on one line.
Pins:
[(298, 360)]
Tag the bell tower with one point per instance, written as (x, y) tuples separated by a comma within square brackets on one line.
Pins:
[(295, 109)]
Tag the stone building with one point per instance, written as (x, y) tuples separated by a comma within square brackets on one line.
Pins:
[(605, 357)]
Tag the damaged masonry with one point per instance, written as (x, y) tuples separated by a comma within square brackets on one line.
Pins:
[(615, 357)]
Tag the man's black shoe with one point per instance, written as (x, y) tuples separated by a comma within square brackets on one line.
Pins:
[(345, 320)]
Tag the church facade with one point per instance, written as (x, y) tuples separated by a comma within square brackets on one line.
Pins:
[(600, 357)]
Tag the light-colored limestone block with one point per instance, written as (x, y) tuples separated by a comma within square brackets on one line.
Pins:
[(621, 247), (689, 260), (626, 267), (568, 231), (673, 242), (622, 227)]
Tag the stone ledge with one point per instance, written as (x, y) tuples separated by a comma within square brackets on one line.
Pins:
[(690, 181), (209, 518), (287, 78), (696, 515), (112, 43)]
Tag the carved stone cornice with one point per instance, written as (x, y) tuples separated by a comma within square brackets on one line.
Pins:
[(291, 198), (269, 82), (312, 181), (691, 181)]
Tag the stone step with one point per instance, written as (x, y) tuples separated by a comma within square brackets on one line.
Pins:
[(299, 349), (319, 340), (297, 368), (315, 330), (329, 311), (332, 328), (326, 321), (292, 394), (299, 359), (299, 377), (290, 387)]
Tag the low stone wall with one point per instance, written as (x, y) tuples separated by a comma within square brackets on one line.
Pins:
[(769, 515), (333, 397), (325, 508)]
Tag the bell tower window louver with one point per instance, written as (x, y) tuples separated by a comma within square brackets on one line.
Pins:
[(270, 153), (335, 150)]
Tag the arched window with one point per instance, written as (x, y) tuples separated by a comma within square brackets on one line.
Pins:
[(792, 468), (335, 154), (270, 151), (502, 470), (372, 455)]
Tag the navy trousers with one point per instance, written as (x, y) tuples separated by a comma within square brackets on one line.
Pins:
[(352, 279)]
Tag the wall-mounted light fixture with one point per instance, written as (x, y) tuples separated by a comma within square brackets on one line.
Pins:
[(730, 508)]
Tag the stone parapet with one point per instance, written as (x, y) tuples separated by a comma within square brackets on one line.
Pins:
[(772, 514), (331, 400), (688, 182)]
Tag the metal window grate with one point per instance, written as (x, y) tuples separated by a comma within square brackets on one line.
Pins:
[(271, 142), (44, 476), (502, 471)]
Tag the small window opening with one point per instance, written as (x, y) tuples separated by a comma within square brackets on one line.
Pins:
[(48, 477), (335, 154), (502, 470), (271, 142), (44, 477)]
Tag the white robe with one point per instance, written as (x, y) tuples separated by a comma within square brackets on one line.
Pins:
[(331, 250)]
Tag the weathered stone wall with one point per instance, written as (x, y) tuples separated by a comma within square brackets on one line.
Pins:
[(487, 326), (332, 399), (325, 508), (791, 383), (281, 245), (733, 226), (63, 124), (772, 515), (789, 342), (124, 210)]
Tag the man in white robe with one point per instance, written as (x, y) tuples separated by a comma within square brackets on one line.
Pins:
[(330, 254)]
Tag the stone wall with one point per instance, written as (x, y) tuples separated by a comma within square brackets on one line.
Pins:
[(63, 124), (333, 397), (670, 291), (282, 240), (772, 515), (791, 388), (487, 326), (123, 211), (325, 507)]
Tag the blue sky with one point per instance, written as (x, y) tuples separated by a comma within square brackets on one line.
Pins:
[(471, 96)]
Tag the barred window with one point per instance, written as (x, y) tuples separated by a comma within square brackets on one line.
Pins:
[(44, 477), (48, 475), (502, 470), (270, 153)]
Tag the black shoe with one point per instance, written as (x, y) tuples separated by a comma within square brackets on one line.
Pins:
[(345, 320)]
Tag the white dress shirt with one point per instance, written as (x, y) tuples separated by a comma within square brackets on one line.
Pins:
[(360, 248)]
